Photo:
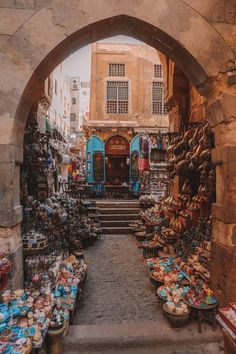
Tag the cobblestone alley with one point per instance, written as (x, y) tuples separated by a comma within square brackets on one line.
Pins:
[(117, 288)]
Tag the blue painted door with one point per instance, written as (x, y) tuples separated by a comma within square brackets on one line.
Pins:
[(134, 170), (95, 162)]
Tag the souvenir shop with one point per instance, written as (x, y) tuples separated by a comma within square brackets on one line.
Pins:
[(57, 226), (174, 232), (132, 164)]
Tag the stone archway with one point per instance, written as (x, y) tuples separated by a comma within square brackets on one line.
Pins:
[(40, 34)]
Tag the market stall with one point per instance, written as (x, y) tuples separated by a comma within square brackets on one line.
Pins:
[(180, 266)]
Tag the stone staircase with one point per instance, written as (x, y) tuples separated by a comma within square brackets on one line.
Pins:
[(116, 215)]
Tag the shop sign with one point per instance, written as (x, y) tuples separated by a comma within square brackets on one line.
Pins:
[(117, 145)]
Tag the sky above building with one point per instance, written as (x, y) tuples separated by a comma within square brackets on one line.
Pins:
[(79, 63)]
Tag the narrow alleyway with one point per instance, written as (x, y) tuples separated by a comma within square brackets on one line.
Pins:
[(119, 311), (117, 288)]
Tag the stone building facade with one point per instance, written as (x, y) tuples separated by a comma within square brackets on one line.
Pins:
[(59, 111), (127, 89), (198, 35)]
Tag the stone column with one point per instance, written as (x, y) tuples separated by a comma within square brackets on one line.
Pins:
[(223, 256), (10, 209)]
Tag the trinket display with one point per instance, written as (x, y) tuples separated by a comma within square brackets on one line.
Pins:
[(178, 308), (172, 292), (70, 278), (34, 242), (177, 314), (200, 296), (26, 314)]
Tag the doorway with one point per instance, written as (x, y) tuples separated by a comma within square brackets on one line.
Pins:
[(117, 150)]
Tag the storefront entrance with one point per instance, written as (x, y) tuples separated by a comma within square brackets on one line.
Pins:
[(117, 152), (117, 170)]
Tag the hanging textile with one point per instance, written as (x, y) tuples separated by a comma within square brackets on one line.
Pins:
[(145, 147), (143, 164), (159, 141)]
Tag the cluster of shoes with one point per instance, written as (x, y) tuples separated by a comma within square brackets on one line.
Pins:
[(147, 201), (169, 235), (156, 242), (151, 215), (200, 262), (137, 226)]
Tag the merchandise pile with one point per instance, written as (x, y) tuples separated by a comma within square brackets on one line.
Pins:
[(182, 273), (27, 314), (54, 234), (227, 320), (60, 223)]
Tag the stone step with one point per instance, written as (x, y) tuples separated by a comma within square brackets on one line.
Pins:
[(147, 337), (117, 204), (116, 230), (128, 217), (115, 223), (119, 210)]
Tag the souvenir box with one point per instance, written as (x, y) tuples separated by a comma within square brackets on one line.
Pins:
[(228, 314), (233, 305)]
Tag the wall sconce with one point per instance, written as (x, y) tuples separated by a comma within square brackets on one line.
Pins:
[(127, 161)]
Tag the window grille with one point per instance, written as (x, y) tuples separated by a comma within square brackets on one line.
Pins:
[(158, 97), (116, 69), (158, 71), (117, 97)]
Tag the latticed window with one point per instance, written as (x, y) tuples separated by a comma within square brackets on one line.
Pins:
[(116, 69), (158, 71), (158, 97), (117, 97)]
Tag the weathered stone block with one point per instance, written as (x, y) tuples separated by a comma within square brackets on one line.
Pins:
[(17, 278), (214, 113), (10, 238), (25, 4), (11, 19), (10, 153), (11, 217), (223, 272), (3, 39), (222, 110), (225, 212), (7, 3), (224, 233)]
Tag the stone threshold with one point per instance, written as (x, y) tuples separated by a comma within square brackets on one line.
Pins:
[(140, 335)]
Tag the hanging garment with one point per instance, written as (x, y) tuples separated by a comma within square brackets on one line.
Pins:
[(159, 141), (164, 142), (143, 164)]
